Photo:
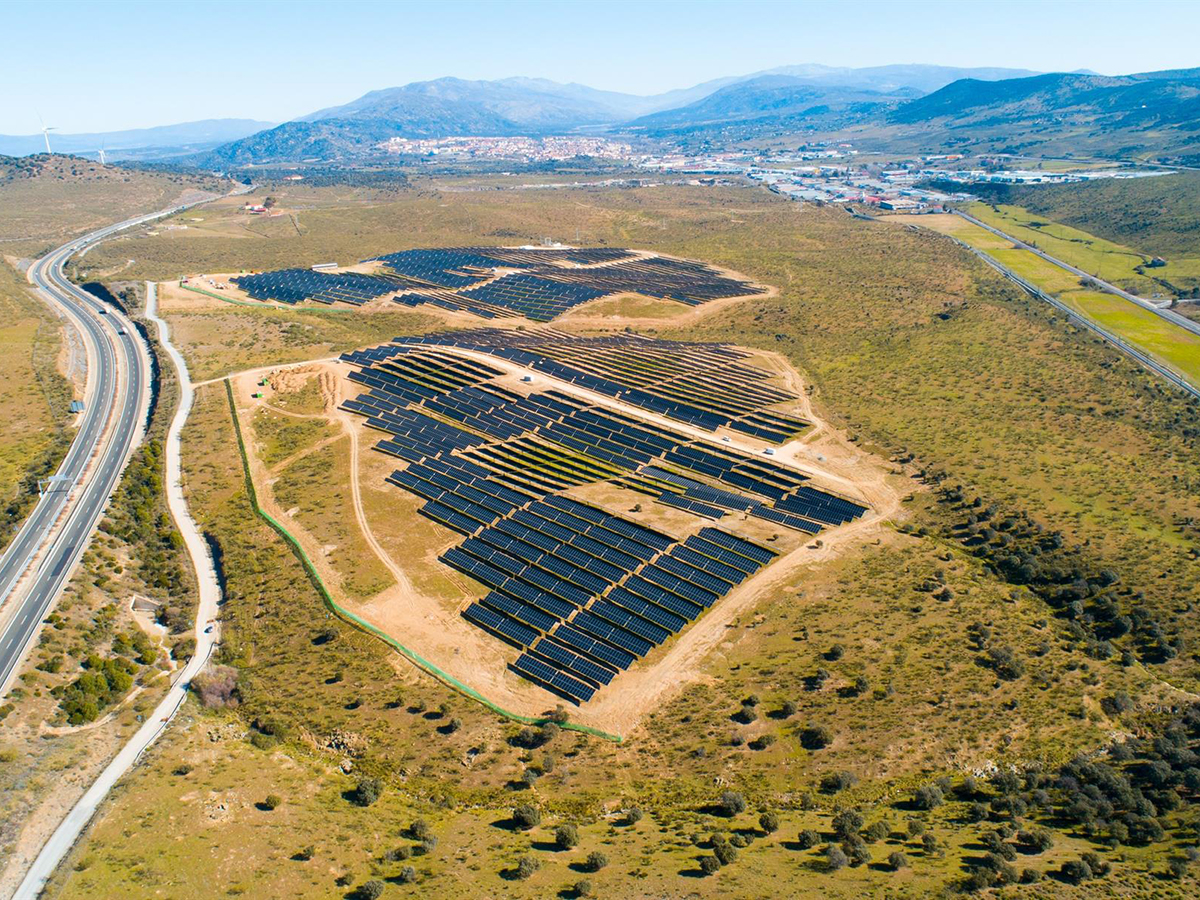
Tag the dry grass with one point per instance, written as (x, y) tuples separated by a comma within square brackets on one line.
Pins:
[(912, 347)]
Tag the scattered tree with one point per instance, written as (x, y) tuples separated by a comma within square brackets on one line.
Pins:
[(566, 837), (366, 792)]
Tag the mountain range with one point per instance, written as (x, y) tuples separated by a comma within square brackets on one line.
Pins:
[(530, 106), (902, 108), (148, 143)]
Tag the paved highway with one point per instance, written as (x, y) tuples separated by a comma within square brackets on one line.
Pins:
[(207, 636), (1120, 343), (45, 551), (1173, 317)]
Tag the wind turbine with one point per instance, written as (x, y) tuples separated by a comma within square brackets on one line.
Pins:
[(46, 133), (102, 155)]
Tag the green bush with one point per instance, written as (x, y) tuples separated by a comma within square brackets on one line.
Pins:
[(527, 816), (566, 837), (366, 792)]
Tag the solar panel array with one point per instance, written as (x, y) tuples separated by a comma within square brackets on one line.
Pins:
[(298, 285), (532, 296), (708, 385), (582, 592), (539, 283)]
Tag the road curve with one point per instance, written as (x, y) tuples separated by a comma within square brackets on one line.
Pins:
[(72, 826), (46, 550), (53, 538)]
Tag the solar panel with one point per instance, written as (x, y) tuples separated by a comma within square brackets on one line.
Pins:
[(548, 676)]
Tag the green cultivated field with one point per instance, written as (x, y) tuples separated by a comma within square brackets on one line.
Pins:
[(1104, 259), (1153, 216), (1172, 345)]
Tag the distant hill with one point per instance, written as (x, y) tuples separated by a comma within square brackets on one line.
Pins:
[(1148, 115), (774, 101), (1151, 114), (889, 79), (142, 143), (534, 106), (447, 106)]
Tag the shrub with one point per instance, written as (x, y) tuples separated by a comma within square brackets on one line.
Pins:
[(929, 844), (526, 866), (877, 831), (566, 837), (398, 854), (633, 815), (366, 792), (304, 854), (897, 861), (788, 709), (834, 857), (596, 861), (846, 823), (1076, 871), (419, 830), (838, 781), (1038, 840), (916, 828), (216, 686), (762, 742), (710, 865), (836, 652), (428, 845), (807, 839), (769, 822), (815, 737), (928, 796), (527, 816), (582, 888), (725, 853), (730, 803), (408, 875), (746, 714), (370, 890), (272, 801), (860, 854)]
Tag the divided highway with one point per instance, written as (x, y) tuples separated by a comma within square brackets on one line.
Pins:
[(45, 551), (1173, 317)]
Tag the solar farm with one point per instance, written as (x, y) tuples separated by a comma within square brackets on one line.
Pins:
[(537, 283), (578, 592)]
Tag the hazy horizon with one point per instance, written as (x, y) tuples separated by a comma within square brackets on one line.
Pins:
[(183, 62)]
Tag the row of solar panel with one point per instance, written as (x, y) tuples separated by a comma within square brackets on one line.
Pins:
[(298, 285)]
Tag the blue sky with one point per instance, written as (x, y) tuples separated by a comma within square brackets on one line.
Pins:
[(104, 66)]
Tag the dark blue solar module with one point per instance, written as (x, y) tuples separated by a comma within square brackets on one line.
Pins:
[(573, 663), (500, 624), (596, 649), (298, 285), (574, 689)]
